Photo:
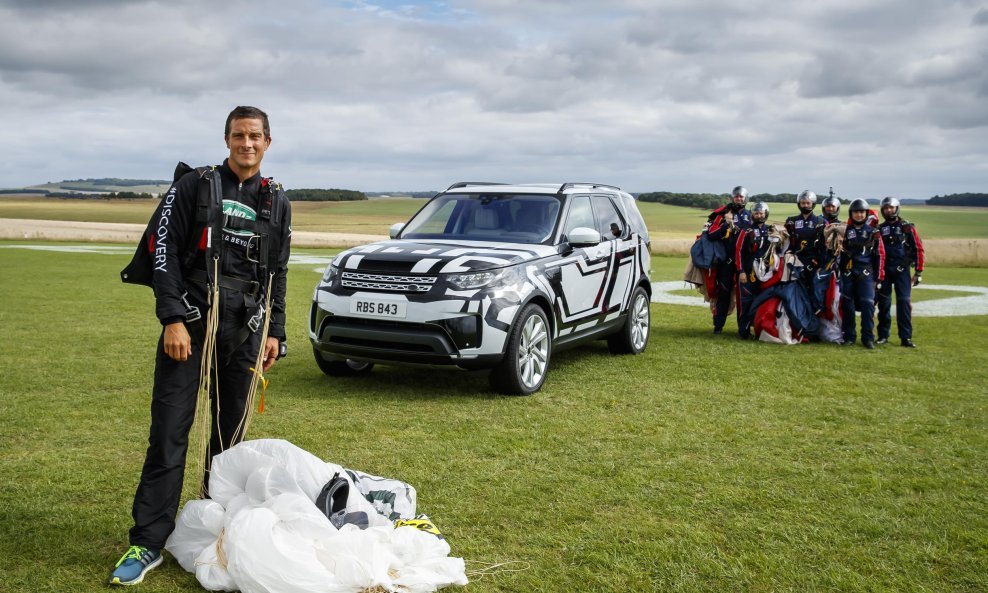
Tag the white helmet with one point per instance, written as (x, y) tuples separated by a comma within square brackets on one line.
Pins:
[(740, 191), (806, 195), (828, 202), (893, 202)]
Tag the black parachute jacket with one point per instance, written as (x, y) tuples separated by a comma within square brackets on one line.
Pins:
[(173, 227)]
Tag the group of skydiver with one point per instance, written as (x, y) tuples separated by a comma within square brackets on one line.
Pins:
[(805, 281)]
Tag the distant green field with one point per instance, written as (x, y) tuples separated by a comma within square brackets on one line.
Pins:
[(704, 464), (373, 217), (368, 217), (93, 210), (933, 222)]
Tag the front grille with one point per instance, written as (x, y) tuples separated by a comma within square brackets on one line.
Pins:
[(387, 282)]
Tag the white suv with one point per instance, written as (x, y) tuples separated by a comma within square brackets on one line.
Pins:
[(494, 276)]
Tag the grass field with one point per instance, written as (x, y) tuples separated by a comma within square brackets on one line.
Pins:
[(373, 217), (705, 464)]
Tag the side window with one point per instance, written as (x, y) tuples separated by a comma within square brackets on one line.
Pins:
[(580, 214), (635, 218), (607, 220)]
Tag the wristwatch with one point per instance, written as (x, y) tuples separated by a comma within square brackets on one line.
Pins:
[(282, 350)]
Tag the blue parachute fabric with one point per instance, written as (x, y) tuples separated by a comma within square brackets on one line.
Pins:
[(799, 309), (796, 303), (773, 291), (707, 254)]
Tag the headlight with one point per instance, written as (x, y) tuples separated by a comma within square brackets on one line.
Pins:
[(330, 273), (473, 280)]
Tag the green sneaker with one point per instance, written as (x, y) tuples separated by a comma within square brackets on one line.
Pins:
[(132, 567)]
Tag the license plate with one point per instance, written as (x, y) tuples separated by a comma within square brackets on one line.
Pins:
[(378, 308)]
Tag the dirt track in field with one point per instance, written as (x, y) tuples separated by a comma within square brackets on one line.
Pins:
[(938, 251), (107, 232)]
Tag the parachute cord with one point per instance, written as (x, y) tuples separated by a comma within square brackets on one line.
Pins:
[(207, 370), (485, 569), (245, 420)]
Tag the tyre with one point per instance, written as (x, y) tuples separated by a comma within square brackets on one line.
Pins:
[(632, 338), (341, 368), (526, 359)]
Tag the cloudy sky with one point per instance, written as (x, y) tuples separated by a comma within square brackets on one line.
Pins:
[(873, 97)]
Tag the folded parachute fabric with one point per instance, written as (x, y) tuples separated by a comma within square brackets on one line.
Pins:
[(262, 532)]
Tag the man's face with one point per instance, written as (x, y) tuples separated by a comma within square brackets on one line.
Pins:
[(738, 199), (859, 215), (805, 204), (758, 216), (888, 211), (830, 210), (247, 144)]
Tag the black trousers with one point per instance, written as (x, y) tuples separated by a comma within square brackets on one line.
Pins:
[(173, 404), (899, 279), (727, 278)]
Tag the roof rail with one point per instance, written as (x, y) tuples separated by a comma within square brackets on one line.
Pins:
[(564, 186), (467, 183)]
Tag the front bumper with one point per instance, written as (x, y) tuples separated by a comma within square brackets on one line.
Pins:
[(456, 340)]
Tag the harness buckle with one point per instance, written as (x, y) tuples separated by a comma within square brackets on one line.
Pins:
[(254, 323), (252, 253), (191, 313)]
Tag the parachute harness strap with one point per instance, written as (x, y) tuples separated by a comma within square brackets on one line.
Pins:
[(257, 377)]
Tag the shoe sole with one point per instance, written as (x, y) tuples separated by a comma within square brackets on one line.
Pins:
[(140, 577)]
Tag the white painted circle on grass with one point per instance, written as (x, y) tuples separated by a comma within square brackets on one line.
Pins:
[(975, 304)]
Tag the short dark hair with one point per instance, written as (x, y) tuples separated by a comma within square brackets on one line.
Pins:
[(247, 112)]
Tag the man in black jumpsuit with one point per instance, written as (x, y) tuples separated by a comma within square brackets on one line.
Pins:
[(182, 298)]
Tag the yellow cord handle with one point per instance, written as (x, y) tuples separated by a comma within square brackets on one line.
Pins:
[(264, 388)]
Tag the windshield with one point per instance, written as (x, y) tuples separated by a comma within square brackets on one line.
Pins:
[(506, 218)]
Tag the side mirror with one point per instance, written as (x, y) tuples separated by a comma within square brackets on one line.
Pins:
[(395, 229), (583, 237)]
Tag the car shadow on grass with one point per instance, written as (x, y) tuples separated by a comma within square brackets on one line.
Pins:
[(426, 384)]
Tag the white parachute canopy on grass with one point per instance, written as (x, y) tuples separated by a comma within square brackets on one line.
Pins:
[(262, 532)]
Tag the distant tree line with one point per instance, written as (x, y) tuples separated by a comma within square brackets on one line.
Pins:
[(711, 201), (114, 181), (88, 189), (410, 194), (123, 195), (22, 191), (960, 200), (324, 195)]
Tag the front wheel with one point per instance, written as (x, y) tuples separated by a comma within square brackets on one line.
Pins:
[(341, 368), (633, 335), (526, 359)]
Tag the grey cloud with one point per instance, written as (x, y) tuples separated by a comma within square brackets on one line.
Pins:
[(953, 111), (980, 17), (842, 74), (44, 5), (690, 95), (945, 69)]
